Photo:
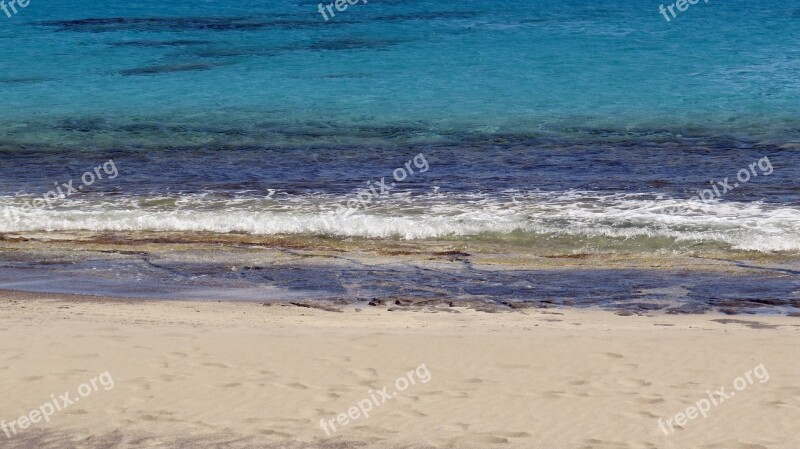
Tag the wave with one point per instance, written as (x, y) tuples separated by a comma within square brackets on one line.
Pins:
[(591, 215), (647, 221)]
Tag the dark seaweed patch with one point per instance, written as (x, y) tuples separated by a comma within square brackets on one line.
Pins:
[(170, 68), (26, 80), (103, 25), (445, 15), (141, 128), (82, 124), (233, 52), (658, 183), (157, 44), (347, 75), (354, 44), (750, 324)]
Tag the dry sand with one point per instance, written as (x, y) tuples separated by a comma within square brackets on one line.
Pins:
[(209, 374)]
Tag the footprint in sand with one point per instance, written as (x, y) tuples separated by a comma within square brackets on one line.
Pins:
[(217, 365), (366, 373), (453, 394), (170, 377), (374, 430), (276, 433), (554, 394), (635, 383), (340, 388), (431, 393), (293, 386), (371, 384), (456, 427), (337, 359), (514, 434), (153, 418), (70, 372), (481, 439), (14, 356), (649, 399), (412, 414)]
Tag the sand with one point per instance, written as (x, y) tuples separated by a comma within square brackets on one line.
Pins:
[(242, 375)]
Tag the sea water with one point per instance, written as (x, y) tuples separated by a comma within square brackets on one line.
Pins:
[(595, 122)]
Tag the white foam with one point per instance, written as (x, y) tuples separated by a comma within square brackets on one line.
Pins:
[(747, 226)]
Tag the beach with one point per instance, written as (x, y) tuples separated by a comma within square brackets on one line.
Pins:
[(415, 224), (249, 374)]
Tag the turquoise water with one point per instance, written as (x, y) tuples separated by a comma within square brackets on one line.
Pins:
[(416, 67)]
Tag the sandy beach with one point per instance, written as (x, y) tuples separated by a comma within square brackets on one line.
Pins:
[(177, 374), (399, 225)]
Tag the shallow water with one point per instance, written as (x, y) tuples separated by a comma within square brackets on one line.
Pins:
[(279, 272), (601, 197)]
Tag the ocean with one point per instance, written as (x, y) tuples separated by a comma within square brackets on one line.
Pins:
[(550, 129)]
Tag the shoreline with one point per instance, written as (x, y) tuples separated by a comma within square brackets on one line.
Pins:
[(334, 272), (342, 308), (382, 305)]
